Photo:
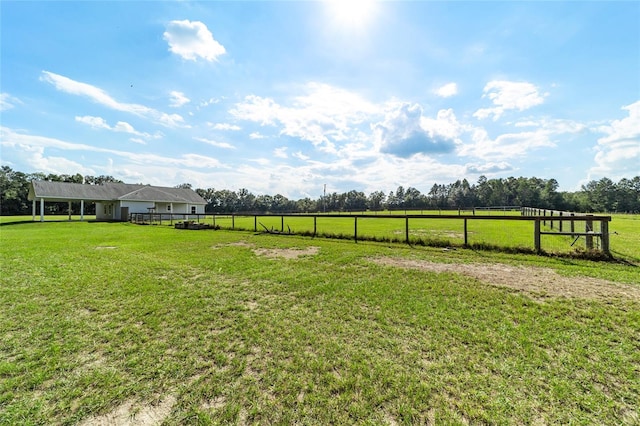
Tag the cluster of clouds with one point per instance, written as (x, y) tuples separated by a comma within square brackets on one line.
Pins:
[(373, 142)]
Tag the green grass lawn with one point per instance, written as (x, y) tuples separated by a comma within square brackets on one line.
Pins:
[(220, 327)]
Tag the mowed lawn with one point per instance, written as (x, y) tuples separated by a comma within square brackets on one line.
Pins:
[(115, 322)]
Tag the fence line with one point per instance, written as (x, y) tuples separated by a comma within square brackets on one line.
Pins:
[(590, 232)]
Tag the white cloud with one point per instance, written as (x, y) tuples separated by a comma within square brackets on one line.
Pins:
[(101, 97), (256, 135), (191, 40), (405, 132), (209, 101), (7, 101), (178, 99), (505, 146), (299, 155), (448, 90), (225, 126), (489, 168), (28, 143), (509, 95), (618, 153), (281, 152), (121, 126), (323, 115), (217, 144), (543, 132)]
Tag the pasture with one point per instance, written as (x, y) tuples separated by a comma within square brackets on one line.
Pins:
[(114, 322)]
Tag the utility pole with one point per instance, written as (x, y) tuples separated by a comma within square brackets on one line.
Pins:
[(324, 199)]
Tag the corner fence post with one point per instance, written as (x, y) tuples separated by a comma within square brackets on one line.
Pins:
[(536, 236)]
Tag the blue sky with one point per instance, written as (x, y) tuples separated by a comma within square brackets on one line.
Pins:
[(285, 97)]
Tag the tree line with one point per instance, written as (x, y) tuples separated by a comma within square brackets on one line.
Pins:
[(602, 195)]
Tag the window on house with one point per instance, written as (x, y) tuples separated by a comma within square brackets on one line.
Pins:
[(169, 207), (193, 209)]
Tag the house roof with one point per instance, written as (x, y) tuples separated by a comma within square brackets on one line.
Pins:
[(65, 191)]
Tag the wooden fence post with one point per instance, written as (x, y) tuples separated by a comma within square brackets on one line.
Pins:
[(588, 227), (315, 225), (233, 221), (282, 223), (255, 223), (466, 241), (355, 228), (561, 222), (536, 235), (406, 229), (573, 225), (604, 230), (551, 214)]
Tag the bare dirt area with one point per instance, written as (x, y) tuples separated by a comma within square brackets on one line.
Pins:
[(289, 253), (132, 414), (537, 282)]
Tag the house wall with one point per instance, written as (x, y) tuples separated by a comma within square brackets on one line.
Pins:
[(111, 210), (105, 210)]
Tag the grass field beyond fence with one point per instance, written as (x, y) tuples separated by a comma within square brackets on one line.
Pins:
[(107, 321), (442, 229)]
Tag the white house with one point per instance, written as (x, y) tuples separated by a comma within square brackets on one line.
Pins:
[(116, 201)]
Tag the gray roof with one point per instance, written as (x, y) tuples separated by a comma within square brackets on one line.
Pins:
[(64, 191)]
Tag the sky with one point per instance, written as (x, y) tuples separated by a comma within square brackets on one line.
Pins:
[(286, 97)]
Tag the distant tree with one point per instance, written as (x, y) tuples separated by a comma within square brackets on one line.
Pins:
[(14, 190), (355, 201), (246, 200), (184, 186), (376, 201)]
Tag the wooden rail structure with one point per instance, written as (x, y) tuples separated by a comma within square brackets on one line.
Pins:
[(561, 224)]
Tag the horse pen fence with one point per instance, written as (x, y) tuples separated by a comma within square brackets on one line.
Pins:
[(529, 229)]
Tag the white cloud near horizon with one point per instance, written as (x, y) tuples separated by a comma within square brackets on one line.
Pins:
[(618, 153), (25, 142), (192, 40), (99, 96), (508, 95), (448, 90)]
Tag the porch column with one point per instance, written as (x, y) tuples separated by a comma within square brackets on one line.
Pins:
[(41, 209), (33, 209), (69, 211), (81, 209)]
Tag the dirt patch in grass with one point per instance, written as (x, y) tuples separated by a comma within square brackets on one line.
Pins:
[(106, 247), (133, 414), (236, 244), (289, 253), (538, 282)]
